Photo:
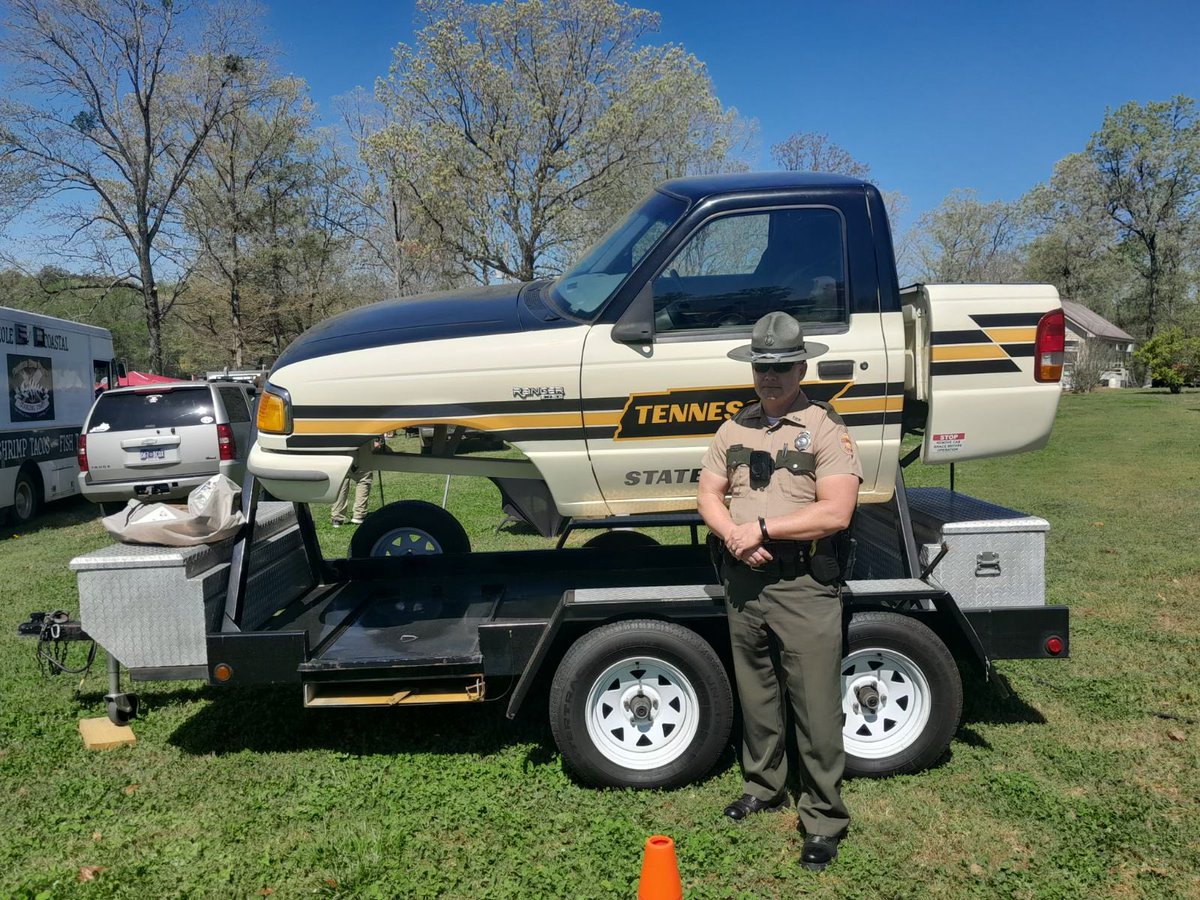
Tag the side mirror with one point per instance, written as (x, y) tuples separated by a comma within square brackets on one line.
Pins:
[(636, 325), (120, 370)]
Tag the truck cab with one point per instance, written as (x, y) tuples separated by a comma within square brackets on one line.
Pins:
[(612, 379)]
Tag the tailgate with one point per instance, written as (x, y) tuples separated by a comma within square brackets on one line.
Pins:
[(972, 362)]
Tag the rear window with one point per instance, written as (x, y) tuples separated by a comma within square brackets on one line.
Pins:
[(168, 409)]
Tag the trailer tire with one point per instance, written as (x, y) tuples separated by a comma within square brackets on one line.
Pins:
[(26, 498), (641, 704), (409, 528), (918, 688), (620, 540)]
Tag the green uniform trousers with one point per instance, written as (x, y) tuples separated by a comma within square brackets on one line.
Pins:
[(786, 636)]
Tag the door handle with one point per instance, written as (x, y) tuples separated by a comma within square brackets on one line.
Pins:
[(836, 370)]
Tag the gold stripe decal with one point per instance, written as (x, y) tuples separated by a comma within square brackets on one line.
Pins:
[(956, 352), (479, 423), (1012, 335)]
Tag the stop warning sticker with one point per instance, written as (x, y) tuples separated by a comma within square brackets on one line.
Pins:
[(948, 443)]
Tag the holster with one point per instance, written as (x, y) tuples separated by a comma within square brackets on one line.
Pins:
[(831, 559)]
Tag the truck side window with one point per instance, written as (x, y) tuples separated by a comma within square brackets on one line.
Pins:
[(737, 268), (101, 376), (235, 405)]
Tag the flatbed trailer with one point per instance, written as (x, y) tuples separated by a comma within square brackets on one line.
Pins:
[(629, 637)]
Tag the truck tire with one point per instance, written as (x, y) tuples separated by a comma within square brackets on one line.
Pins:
[(641, 704), (26, 498), (905, 669), (620, 540), (409, 528)]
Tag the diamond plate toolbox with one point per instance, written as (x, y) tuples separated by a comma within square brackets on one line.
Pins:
[(997, 556), (152, 606)]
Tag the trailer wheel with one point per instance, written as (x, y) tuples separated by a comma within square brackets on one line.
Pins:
[(620, 540), (25, 498), (901, 696), (642, 704), (409, 528)]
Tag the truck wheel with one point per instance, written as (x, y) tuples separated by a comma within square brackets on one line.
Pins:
[(620, 540), (901, 696), (25, 498), (642, 704), (409, 528)]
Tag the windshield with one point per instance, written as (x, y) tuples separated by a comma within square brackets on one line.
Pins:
[(584, 288)]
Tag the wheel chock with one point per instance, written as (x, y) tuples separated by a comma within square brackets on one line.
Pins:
[(660, 871), (101, 734)]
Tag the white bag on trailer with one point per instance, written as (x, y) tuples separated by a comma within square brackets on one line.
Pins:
[(213, 513)]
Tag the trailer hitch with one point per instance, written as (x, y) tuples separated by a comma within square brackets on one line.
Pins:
[(55, 632)]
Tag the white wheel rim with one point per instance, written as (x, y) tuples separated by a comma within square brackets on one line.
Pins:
[(642, 713), (406, 542), (904, 703)]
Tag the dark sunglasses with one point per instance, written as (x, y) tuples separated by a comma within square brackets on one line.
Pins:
[(763, 368)]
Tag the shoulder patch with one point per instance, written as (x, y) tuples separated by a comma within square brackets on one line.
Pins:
[(829, 411), (749, 411)]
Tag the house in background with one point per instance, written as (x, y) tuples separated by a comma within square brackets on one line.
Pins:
[(1087, 327)]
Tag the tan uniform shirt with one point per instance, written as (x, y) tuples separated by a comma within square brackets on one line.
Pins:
[(806, 428)]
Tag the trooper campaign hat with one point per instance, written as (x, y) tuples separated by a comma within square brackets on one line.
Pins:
[(777, 337)]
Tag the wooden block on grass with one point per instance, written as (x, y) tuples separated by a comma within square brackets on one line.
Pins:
[(102, 734)]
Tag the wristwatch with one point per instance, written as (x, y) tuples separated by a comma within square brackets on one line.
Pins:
[(762, 526)]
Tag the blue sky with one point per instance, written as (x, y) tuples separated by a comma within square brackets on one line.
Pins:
[(933, 96)]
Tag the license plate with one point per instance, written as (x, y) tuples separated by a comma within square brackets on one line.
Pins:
[(152, 453)]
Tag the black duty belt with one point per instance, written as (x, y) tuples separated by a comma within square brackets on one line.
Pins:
[(788, 557)]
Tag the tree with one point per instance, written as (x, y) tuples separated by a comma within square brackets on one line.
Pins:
[(807, 151), (113, 100), (964, 239), (247, 152), (388, 223), (525, 124), (1172, 358), (1147, 159), (1092, 359)]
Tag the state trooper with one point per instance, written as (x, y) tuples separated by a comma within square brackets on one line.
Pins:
[(791, 472)]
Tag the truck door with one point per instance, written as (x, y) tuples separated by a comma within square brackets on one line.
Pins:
[(661, 400)]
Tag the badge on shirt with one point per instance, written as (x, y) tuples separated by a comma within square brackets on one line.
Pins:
[(847, 443), (803, 439)]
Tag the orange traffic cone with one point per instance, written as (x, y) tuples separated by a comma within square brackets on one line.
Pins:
[(660, 871)]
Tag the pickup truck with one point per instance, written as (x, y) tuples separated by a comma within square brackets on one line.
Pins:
[(610, 382), (612, 379)]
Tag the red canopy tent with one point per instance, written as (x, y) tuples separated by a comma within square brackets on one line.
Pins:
[(137, 379)]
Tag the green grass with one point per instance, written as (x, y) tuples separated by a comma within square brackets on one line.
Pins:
[(1074, 786)]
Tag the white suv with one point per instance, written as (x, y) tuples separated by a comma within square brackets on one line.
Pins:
[(160, 441)]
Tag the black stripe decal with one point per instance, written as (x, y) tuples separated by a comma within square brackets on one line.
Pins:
[(354, 441), (40, 445), (874, 389), (488, 407), (941, 338), (1006, 320), (328, 441), (974, 367), (1019, 349)]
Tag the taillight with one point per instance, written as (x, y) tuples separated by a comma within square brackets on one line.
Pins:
[(225, 443), (1048, 350), (81, 453)]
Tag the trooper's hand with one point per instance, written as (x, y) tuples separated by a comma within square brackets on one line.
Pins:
[(745, 543)]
